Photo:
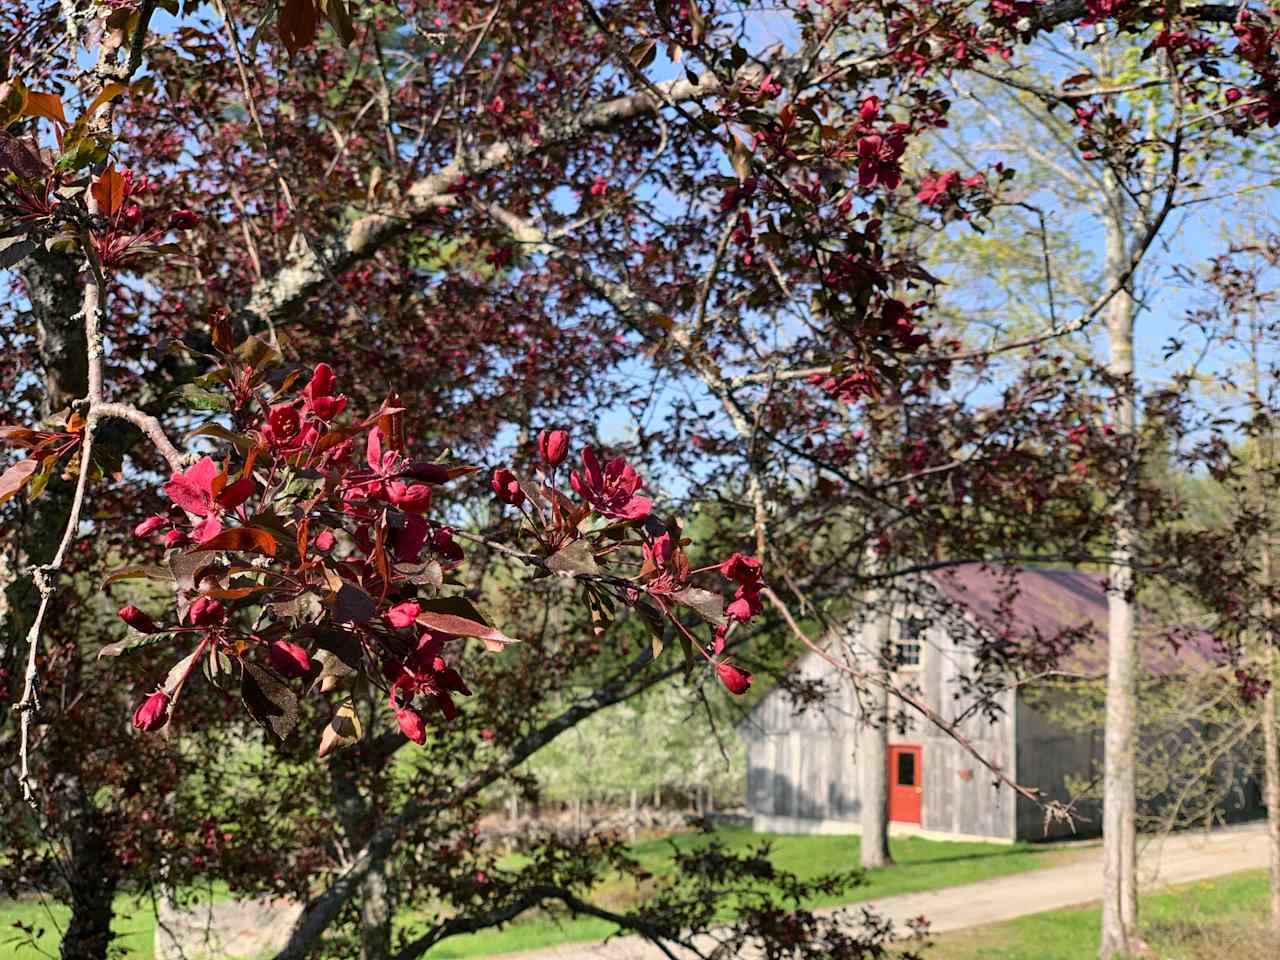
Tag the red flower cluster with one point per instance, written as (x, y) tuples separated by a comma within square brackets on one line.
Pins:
[(746, 573), (342, 554)]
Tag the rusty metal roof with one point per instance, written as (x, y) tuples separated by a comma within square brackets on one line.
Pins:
[(1060, 616)]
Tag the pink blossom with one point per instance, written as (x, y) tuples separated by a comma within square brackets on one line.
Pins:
[(317, 395), (878, 160), (411, 725), (741, 569), (411, 498), (203, 491), (612, 491), (506, 487), (149, 526)]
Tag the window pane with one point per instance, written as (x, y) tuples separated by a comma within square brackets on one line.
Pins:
[(907, 654), (906, 769)]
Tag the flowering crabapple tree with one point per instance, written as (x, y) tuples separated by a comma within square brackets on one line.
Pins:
[(492, 223), (299, 558)]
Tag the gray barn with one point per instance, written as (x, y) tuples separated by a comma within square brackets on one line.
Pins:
[(802, 774)]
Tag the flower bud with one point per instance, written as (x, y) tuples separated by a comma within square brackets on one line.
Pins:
[(554, 447), (138, 619), (325, 541), (746, 604), (149, 526), (205, 611), (153, 712), (403, 614), (411, 725), (507, 487), (288, 659), (735, 681)]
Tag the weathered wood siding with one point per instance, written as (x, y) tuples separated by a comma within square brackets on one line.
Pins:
[(1053, 760), (803, 766)]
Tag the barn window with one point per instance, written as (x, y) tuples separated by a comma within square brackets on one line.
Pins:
[(909, 650), (906, 769)]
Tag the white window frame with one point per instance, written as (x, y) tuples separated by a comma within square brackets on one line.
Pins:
[(901, 624)]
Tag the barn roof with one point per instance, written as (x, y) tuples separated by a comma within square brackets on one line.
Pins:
[(1064, 613)]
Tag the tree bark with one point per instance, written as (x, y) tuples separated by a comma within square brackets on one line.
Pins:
[(1271, 775), (1119, 837), (374, 889), (873, 736), (92, 882)]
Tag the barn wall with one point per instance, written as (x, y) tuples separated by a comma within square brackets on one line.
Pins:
[(1048, 759), (961, 796), (801, 764), (802, 768)]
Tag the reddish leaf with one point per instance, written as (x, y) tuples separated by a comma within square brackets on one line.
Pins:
[(269, 700), (20, 436), (340, 17), (108, 190), (297, 24), (244, 539), (461, 625), (136, 573), (575, 557), (16, 477), (45, 105), (353, 605), (710, 606)]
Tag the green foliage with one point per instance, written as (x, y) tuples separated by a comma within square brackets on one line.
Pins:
[(663, 739)]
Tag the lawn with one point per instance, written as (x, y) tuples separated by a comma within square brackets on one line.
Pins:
[(921, 865), (135, 923), (1222, 919)]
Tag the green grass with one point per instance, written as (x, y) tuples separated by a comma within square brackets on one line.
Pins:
[(921, 865), (1220, 918), (134, 924)]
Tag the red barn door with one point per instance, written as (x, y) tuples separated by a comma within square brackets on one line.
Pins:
[(906, 783)]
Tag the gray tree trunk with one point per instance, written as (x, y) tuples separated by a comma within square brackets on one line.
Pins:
[(1119, 837), (55, 296), (374, 895), (1271, 773), (1263, 459), (873, 734)]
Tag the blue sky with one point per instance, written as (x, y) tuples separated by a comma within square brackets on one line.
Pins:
[(1189, 238)]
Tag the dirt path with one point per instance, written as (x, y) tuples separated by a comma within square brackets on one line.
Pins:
[(1181, 859)]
